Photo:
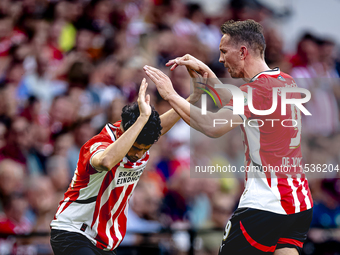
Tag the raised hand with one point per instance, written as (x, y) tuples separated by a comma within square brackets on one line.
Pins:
[(191, 63), (144, 101), (162, 81)]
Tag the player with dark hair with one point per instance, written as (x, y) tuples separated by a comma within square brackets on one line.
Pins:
[(275, 209), (91, 219)]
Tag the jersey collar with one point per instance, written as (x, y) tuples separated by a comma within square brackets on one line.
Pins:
[(114, 130), (274, 71)]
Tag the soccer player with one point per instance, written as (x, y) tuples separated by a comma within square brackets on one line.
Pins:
[(91, 219), (275, 209)]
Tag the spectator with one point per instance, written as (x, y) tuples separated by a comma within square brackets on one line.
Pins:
[(11, 178), (223, 206), (82, 133), (310, 64)]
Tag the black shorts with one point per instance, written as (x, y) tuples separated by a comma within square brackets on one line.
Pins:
[(72, 243), (252, 231)]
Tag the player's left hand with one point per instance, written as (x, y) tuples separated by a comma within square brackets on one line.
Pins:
[(162, 81), (144, 101)]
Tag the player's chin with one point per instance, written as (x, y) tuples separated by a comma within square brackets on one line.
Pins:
[(232, 74), (235, 75), (132, 159)]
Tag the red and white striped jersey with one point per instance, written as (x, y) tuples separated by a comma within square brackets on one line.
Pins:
[(96, 203), (273, 141)]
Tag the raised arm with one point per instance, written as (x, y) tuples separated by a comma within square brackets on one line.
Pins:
[(168, 120), (209, 124), (115, 152), (195, 65)]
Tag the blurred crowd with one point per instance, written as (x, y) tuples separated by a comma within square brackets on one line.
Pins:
[(68, 67)]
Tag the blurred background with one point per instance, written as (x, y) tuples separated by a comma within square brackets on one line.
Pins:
[(68, 67)]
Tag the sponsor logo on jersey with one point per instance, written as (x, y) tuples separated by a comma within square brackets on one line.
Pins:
[(127, 176)]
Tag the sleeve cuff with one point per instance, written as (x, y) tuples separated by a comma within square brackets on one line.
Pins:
[(92, 157)]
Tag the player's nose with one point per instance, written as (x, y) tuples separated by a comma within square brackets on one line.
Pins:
[(139, 154)]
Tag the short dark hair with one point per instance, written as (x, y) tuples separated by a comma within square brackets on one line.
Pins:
[(248, 31), (152, 129)]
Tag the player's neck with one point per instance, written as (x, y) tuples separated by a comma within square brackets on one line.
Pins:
[(254, 67)]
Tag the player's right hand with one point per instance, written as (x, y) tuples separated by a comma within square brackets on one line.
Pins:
[(196, 69), (191, 63), (144, 101)]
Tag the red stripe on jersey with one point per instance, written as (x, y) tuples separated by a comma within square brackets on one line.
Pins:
[(290, 241), (128, 165), (255, 244), (122, 227), (104, 216), (300, 195), (146, 158), (287, 192)]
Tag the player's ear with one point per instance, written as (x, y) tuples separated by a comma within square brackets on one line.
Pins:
[(121, 127), (243, 52)]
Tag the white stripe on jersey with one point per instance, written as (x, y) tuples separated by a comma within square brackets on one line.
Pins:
[(109, 131), (305, 193), (274, 183), (294, 192)]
